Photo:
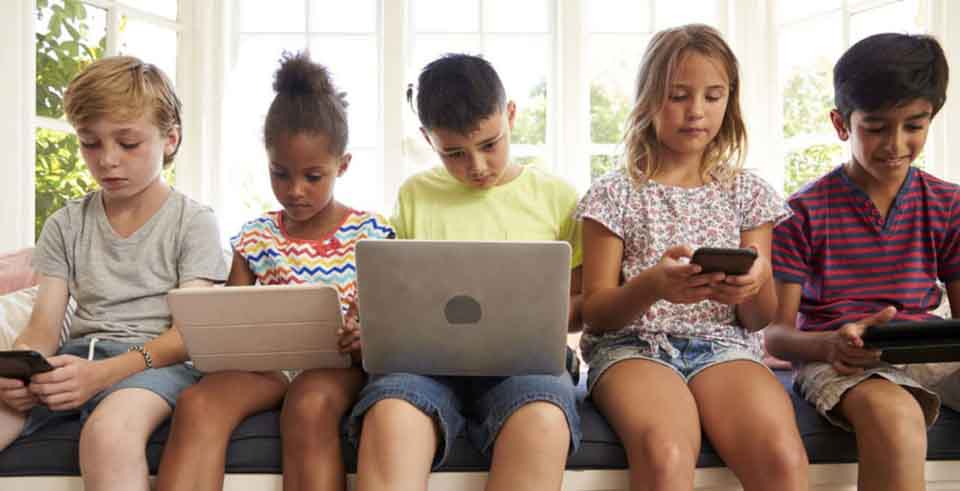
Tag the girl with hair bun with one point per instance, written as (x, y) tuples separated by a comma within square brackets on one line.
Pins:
[(310, 240)]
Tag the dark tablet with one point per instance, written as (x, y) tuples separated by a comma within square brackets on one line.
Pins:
[(930, 341)]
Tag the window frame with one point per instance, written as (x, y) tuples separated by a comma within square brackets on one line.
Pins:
[(204, 26)]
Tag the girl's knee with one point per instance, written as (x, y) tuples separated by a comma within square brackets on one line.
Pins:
[(662, 453), (314, 408)]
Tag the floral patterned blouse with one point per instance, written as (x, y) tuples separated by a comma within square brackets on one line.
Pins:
[(652, 218)]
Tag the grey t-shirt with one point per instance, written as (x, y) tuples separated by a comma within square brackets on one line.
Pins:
[(121, 284)]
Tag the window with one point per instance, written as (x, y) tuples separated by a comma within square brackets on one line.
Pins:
[(345, 37), (493, 29), (617, 35), (70, 34), (812, 35)]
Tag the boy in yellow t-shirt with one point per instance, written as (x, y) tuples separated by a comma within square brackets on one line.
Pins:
[(526, 423)]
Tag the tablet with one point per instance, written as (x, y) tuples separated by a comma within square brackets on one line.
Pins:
[(260, 328), (901, 342)]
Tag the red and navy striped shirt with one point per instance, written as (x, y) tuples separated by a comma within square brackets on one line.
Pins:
[(852, 263)]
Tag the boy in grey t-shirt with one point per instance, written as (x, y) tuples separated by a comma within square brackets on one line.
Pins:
[(117, 251)]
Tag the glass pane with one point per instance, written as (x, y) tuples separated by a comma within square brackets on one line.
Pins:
[(900, 16), (618, 16), (791, 10), (60, 173), (806, 75), (808, 163), (446, 16), (163, 8), (600, 165), (352, 63), (70, 35), (251, 80), (525, 81), (151, 43), (340, 16), (513, 16), (671, 13), (612, 63), (429, 48), (361, 187), (272, 16)]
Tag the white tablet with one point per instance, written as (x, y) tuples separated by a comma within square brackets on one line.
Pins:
[(260, 328)]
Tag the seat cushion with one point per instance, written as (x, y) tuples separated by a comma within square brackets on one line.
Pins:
[(255, 445)]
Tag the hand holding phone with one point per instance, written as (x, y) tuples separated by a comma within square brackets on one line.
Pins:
[(730, 261), (22, 364)]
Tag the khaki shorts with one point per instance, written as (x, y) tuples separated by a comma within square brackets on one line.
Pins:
[(823, 387)]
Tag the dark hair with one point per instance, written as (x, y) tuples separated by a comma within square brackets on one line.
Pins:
[(456, 92), (885, 70), (306, 101)]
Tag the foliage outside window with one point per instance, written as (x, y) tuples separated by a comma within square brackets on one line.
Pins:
[(63, 50)]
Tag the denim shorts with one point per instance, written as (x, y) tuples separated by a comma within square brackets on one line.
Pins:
[(695, 355), (167, 382), (481, 405)]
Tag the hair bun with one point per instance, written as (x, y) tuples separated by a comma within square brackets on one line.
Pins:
[(300, 76)]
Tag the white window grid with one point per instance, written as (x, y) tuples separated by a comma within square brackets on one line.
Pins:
[(117, 10), (847, 9)]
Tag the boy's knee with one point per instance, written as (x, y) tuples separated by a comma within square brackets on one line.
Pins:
[(538, 419), (892, 418)]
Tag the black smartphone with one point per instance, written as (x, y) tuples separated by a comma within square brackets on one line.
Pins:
[(20, 364), (732, 261)]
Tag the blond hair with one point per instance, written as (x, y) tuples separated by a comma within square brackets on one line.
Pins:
[(123, 88), (643, 154)]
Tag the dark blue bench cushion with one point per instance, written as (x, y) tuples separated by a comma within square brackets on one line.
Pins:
[(255, 445)]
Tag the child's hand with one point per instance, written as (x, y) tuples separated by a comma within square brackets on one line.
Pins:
[(679, 281), (734, 290), (16, 395), (71, 383), (845, 345), (350, 332)]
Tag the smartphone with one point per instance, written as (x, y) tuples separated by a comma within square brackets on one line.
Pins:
[(22, 365), (732, 261)]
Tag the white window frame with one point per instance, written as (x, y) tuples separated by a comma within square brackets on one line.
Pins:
[(204, 26)]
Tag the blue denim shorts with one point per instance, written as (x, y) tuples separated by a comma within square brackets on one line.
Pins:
[(695, 355), (167, 382), (481, 405)]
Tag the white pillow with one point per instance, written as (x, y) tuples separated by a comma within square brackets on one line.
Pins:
[(15, 309)]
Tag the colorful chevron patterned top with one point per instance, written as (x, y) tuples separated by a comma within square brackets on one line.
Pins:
[(277, 259)]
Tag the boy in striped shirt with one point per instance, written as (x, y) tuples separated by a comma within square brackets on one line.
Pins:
[(867, 243)]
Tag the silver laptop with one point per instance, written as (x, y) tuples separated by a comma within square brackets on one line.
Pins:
[(463, 308), (259, 328)]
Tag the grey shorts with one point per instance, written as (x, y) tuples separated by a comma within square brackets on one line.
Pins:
[(821, 385), (166, 382), (696, 355)]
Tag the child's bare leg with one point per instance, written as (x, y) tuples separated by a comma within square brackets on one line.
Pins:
[(531, 450), (114, 440), (206, 415), (310, 425), (11, 425), (653, 412), (750, 421), (397, 446), (891, 435)]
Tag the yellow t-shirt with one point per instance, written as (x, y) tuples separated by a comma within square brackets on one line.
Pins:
[(433, 205)]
